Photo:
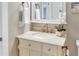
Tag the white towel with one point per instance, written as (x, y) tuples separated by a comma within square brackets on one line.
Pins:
[(26, 17), (26, 13), (24, 23)]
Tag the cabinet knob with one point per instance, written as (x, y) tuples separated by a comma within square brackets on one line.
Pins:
[(49, 49), (29, 44)]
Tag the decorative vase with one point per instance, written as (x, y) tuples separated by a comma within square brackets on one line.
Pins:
[(60, 33)]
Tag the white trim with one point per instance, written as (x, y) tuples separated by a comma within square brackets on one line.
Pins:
[(49, 22), (0, 20), (5, 28)]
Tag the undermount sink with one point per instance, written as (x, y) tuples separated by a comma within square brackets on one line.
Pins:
[(44, 35)]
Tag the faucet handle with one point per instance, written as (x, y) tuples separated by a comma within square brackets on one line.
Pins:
[(49, 29), (43, 29)]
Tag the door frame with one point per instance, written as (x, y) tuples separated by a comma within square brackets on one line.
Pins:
[(5, 28)]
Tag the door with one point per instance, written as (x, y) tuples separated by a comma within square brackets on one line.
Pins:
[(0, 28)]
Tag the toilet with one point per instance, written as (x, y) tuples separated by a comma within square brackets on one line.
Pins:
[(77, 43)]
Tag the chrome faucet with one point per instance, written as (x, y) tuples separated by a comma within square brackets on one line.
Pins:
[(45, 28)]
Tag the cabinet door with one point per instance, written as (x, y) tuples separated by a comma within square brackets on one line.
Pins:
[(60, 52), (23, 51), (24, 46), (24, 43), (31, 48), (49, 50), (35, 49)]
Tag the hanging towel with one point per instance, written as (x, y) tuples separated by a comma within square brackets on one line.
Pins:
[(26, 13)]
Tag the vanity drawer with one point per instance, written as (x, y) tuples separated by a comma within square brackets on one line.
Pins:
[(49, 50)]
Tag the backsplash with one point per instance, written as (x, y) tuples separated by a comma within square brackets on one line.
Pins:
[(41, 27)]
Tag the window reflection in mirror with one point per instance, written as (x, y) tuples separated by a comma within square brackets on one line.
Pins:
[(55, 11)]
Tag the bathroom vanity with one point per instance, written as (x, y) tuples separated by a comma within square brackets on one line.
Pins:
[(34, 43)]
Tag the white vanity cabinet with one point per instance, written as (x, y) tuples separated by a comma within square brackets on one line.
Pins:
[(34, 48)]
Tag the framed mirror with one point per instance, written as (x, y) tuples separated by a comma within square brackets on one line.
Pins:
[(54, 12)]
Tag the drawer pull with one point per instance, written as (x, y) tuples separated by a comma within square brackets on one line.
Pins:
[(29, 45), (49, 49)]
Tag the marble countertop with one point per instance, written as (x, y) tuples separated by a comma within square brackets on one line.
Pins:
[(43, 37)]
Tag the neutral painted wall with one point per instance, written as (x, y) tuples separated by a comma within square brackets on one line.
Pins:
[(73, 30), (13, 26), (13, 17)]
